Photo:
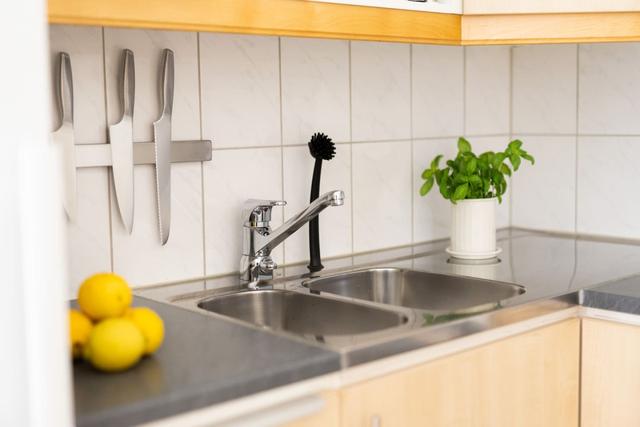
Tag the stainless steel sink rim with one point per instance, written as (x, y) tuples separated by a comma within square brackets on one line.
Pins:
[(402, 292)]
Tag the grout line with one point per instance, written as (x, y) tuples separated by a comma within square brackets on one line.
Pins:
[(202, 186), (282, 187), (351, 152), (109, 175), (464, 92), (511, 191), (412, 168), (575, 208)]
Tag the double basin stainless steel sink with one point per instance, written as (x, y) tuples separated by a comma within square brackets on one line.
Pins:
[(362, 302)]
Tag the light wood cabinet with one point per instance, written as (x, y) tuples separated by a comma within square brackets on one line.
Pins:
[(484, 7), (527, 380), (610, 374), (329, 416)]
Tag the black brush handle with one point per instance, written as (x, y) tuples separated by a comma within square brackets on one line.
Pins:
[(315, 263)]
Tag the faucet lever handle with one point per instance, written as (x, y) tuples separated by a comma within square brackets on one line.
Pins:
[(258, 212)]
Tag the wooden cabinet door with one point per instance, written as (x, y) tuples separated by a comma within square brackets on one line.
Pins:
[(530, 379), (610, 374), (329, 416)]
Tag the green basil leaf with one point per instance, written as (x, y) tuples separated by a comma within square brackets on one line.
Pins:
[(504, 169), (515, 161), (515, 146), (475, 180), (461, 192), (463, 145), (435, 162), (497, 160), (472, 165), (426, 187), (528, 157), (427, 173)]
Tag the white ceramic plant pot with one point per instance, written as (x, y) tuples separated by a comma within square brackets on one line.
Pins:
[(473, 229)]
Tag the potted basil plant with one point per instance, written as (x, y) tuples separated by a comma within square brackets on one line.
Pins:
[(473, 183)]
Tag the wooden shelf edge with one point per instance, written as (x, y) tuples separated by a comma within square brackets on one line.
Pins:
[(551, 28), (304, 18), (299, 18)]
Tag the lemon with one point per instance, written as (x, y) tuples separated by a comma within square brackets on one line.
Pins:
[(150, 324), (104, 295), (79, 329), (114, 345)]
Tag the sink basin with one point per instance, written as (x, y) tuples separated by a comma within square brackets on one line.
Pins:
[(416, 289), (302, 314)]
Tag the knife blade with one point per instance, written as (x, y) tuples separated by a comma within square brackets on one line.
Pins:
[(121, 139), (162, 140), (63, 137)]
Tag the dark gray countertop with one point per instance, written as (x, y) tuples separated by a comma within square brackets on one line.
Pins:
[(207, 359), (203, 361)]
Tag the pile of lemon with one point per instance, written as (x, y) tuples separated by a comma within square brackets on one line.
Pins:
[(108, 332)]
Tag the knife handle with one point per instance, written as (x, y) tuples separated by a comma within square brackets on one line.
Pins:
[(65, 86), (166, 91), (128, 84)]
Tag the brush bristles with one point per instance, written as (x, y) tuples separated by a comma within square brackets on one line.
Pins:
[(322, 147)]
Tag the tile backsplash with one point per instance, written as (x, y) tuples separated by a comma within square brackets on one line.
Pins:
[(389, 107)]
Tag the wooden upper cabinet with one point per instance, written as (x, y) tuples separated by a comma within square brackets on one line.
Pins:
[(529, 380), (485, 22), (499, 7)]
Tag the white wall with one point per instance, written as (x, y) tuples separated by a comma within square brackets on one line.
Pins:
[(390, 107), (577, 109)]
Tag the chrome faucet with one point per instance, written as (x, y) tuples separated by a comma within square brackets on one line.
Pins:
[(256, 264)]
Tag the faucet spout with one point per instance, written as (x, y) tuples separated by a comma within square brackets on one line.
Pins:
[(256, 265), (269, 242)]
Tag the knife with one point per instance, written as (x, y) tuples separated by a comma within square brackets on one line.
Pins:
[(63, 138), (162, 140), (121, 139)]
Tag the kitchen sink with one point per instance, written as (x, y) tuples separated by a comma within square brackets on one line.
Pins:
[(302, 314), (416, 289)]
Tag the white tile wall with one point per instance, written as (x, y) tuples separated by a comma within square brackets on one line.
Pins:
[(437, 74), (315, 89), (89, 237), (609, 99), (240, 90), (544, 89), (380, 91), (543, 196), (381, 195), (139, 257), (487, 90), (390, 107), (608, 202)]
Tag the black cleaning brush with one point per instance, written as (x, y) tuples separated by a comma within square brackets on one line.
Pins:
[(321, 148)]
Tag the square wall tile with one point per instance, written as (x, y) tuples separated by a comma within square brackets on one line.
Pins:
[(607, 186), (487, 98), (84, 46), (147, 47), (315, 89), (335, 222), (609, 89), (544, 89), (381, 195), (543, 195), (88, 238), (140, 257), (438, 99), (240, 78), (232, 177), (431, 213), (496, 143), (380, 91)]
